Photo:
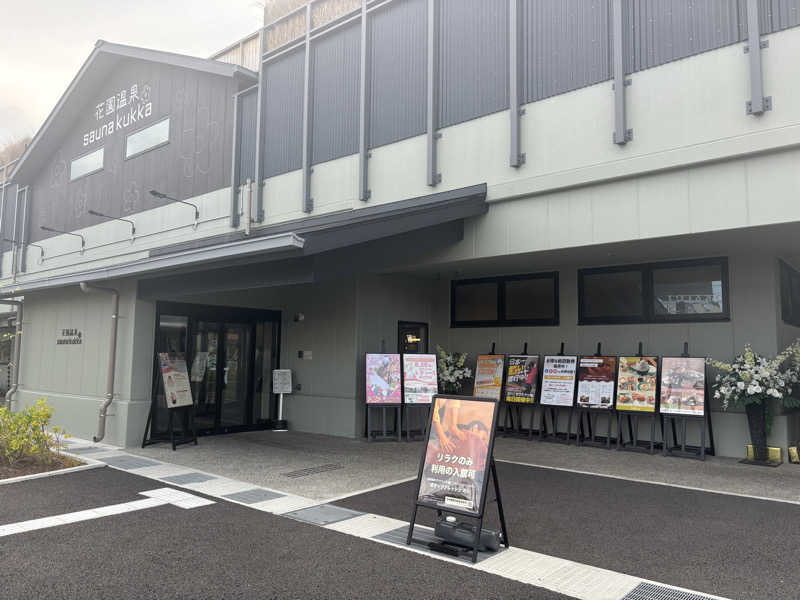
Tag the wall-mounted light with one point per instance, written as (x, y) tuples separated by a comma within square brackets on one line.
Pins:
[(162, 196), (54, 230), (128, 221), (41, 249)]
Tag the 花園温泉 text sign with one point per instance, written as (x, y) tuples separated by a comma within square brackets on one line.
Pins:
[(119, 111)]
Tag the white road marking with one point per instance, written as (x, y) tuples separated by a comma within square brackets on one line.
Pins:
[(661, 483), (370, 489), (158, 497)]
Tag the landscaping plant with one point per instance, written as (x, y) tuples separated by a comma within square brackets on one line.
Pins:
[(25, 437)]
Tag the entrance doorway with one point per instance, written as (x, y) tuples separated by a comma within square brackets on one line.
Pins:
[(230, 354), (412, 337)]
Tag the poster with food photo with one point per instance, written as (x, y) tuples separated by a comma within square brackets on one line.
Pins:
[(636, 383), (419, 378), (521, 378), (596, 381), (383, 379), (683, 386), (558, 380), (177, 389), (457, 453), (489, 376)]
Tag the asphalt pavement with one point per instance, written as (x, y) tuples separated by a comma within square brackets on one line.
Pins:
[(720, 544), (222, 550)]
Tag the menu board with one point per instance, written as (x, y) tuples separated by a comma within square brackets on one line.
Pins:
[(521, 377), (383, 379), (419, 378), (281, 381), (489, 376), (636, 383), (683, 386), (177, 389), (457, 453), (558, 380), (596, 381)]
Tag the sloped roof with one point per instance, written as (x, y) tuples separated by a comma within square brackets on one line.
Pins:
[(91, 74)]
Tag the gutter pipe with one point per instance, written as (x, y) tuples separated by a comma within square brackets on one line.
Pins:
[(17, 346), (112, 357)]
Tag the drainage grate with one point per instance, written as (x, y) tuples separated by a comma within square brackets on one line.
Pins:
[(649, 591), (312, 471), (185, 478), (323, 514), (252, 496)]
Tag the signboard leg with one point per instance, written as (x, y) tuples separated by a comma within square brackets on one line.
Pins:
[(369, 423), (398, 423), (500, 512), (652, 433)]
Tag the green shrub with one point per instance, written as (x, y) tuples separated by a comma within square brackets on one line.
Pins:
[(24, 435)]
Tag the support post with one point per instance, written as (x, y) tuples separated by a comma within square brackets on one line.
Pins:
[(363, 121), (517, 158), (434, 177), (237, 129), (622, 134), (23, 237), (758, 104), (3, 187), (308, 201), (260, 130)]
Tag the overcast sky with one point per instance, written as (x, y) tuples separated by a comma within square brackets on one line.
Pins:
[(44, 42)]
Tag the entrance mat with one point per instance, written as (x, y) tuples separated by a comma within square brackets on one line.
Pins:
[(128, 462), (253, 496), (424, 535), (651, 591), (184, 478), (312, 470), (88, 450), (323, 514)]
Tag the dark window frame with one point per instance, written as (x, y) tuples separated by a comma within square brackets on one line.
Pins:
[(501, 321), (787, 273), (648, 297)]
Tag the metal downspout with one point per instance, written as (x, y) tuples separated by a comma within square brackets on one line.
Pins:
[(112, 357), (17, 345)]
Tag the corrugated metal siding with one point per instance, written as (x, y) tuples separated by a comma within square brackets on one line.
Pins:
[(248, 104), (397, 74), (283, 114), (774, 15), (7, 230), (566, 45), (250, 54), (335, 90), (473, 59)]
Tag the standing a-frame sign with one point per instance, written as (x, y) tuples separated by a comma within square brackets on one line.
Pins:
[(457, 460)]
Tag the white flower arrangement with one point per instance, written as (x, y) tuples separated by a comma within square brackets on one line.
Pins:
[(752, 378), (452, 371)]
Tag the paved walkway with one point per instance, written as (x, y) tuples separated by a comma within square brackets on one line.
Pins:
[(583, 536)]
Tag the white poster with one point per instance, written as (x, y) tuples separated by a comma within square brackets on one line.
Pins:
[(282, 381), (558, 380), (177, 389), (419, 378), (199, 365)]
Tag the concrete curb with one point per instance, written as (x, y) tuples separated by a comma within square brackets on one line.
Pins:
[(89, 464)]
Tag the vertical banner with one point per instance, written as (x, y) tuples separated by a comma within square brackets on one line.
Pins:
[(558, 380), (636, 383), (596, 381), (457, 453), (177, 389), (489, 376), (419, 378), (383, 379), (683, 386), (521, 378)]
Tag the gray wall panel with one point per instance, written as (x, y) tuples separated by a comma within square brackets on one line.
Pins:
[(247, 137), (473, 59), (566, 45), (397, 73), (283, 114), (335, 92)]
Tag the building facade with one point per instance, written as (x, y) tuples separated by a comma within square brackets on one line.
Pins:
[(478, 172)]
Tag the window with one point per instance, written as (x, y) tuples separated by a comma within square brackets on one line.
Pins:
[(790, 294), (505, 301), (147, 138), (86, 164), (693, 290)]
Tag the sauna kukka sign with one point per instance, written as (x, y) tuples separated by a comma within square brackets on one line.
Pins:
[(68, 337), (125, 108)]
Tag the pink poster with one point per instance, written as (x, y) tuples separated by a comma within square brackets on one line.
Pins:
[(383, 379)]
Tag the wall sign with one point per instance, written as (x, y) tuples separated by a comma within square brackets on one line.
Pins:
[(69, 337), (119, 111), (282, 381)]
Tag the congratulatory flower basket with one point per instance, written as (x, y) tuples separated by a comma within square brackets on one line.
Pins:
[(753, 382), (452, 370)]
